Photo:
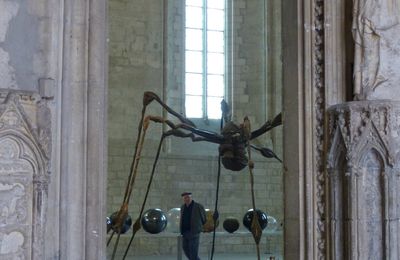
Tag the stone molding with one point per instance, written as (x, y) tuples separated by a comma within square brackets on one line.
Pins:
[(25, 151), (319, 131), (363, 171), (305, 99)]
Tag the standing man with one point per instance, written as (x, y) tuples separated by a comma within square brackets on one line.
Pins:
[(193, 217)]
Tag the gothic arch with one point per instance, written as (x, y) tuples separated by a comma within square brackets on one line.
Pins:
[(371, 140), (24, 178), (337, 153)]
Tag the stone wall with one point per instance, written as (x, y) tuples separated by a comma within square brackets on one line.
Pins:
[(144, 58), (29, 66), (27, 43)]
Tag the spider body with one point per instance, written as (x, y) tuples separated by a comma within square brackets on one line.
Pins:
[(233, 149)]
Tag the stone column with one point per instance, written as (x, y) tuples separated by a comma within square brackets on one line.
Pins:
[(83, 145), (364, 142), (304, 105)]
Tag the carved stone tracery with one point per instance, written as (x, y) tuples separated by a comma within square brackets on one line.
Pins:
[(363, 166), (319, 107), (24, 175)]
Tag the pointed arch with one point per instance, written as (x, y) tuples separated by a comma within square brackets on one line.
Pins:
[(24, 175), (337, 152), (370, 139)]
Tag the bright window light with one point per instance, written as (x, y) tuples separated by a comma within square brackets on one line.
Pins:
[(204, 58)]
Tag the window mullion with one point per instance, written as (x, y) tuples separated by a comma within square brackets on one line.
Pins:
[(205, 51)]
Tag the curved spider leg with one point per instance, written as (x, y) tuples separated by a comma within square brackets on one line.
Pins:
[(225, 116), (109, 240), (216, 213), (173, 132), (186, 124), (137, 224), (255, 224), (150, 96), (277, 121), (211, 137), (123, 212), (266, 152), (207, 135)]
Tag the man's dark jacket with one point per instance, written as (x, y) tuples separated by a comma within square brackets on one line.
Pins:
[(198, 218)]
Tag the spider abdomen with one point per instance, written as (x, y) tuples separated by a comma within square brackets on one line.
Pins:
[(233, 156)]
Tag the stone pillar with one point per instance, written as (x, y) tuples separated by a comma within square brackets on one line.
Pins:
[(305, 99), (83, 146), (364, 141), (57, 49)]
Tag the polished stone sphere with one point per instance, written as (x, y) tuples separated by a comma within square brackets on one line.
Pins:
[(154, 221), (248, 217), (111, 221), (209, 225), (173, 219), (108, 222), (230, 224)]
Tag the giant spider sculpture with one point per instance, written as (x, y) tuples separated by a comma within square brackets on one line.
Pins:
[(234, 154)]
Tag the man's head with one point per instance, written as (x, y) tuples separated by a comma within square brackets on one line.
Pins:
[(187, 197)]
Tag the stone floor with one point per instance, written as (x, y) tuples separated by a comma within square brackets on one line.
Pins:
[(205, 257), (239, 245)]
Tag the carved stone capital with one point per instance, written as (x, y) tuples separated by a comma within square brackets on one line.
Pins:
[(365, 125)]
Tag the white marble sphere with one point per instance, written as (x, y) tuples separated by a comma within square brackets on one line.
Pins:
[(174, 218), (272, 224)]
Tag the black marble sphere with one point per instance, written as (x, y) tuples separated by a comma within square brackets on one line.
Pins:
[(111, 221), (154, 221), (248, 217)]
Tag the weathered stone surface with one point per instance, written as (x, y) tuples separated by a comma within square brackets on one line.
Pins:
[(376, 32), (7, 72), (24, 168), (363, 169)]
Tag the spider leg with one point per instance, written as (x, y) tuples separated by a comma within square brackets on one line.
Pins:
[(150, 96), (202, 135), (137, 224), (266, 152), (174, 131), (225, 117), (185, 124), (123, 211), (256, 229), (267, 126)]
